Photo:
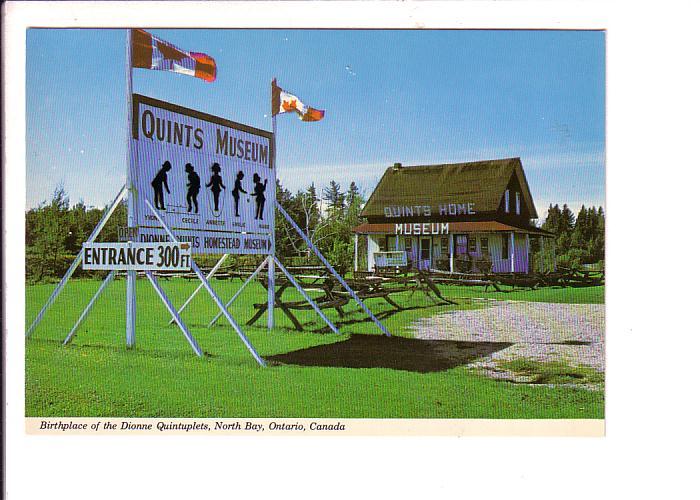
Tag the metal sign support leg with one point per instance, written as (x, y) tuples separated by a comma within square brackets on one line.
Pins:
[(227, 315), (306, 296), (330, 268), (209, 276), (211, 291), (174, 313), (88, 308), (270, 293), (95, 232), (245, 284), (130, 309), (132, 207)]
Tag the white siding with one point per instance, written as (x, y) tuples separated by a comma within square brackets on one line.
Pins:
[(501, 263), (372, 247)]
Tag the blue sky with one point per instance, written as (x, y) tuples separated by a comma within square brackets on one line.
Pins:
[(410, 96)]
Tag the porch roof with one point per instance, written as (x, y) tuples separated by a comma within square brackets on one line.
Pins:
[(456, 228)]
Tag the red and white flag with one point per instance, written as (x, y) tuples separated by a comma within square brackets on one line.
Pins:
[(150, 52), (284, 102)]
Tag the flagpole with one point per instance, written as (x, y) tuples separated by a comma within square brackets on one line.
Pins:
[(131, 275), (271, 260)]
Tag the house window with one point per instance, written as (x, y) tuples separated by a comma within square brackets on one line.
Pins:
[(472, 245), (425, 248), (484, 246), (517, 203), (381, 242), (461, 244), (505, 254), (408, 247), (444, 246), (507, 200)]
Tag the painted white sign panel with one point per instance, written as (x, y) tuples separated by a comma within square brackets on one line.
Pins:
[(137, 256), (390, 259), (210, 179)]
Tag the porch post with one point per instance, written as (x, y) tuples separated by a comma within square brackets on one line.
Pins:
[(356, 241), (527, 253), (452, 252), (542, 252), (369, 261), (512, 251)]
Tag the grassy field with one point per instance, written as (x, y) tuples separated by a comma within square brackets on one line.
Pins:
[(97, 376)]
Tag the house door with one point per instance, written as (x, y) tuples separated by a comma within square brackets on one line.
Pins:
[(424, 262)]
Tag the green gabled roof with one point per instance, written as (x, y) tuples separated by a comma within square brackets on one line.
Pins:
[(481, 182)]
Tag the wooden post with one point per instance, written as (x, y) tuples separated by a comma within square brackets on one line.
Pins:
[(512, 251)]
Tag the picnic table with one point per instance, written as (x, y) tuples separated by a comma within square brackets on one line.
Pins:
[(328, 299), (382, 284)]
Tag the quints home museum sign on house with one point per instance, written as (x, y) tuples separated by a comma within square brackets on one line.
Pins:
[(426, 211), (210, 179), (452, 212)]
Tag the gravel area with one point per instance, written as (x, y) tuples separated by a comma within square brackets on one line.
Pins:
[(571, 333)]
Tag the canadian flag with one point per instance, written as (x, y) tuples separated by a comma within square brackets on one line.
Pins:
[(284, 102), (150, 52)]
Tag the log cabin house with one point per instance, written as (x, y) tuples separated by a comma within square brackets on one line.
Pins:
[(461, 217)]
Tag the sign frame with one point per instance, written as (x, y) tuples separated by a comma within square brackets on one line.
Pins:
[(247, 235)]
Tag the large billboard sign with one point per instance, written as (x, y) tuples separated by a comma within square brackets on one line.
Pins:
[(210, 179)]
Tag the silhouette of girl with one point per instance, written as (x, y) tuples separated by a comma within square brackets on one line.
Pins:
[(238, 189), (160, 180), (216, 184), (193, 185), (258, 192)]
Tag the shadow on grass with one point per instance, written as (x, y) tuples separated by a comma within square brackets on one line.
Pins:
[(397, 353)]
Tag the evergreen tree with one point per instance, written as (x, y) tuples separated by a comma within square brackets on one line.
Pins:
[(581, 234), (51, 233), (551, 223), (566, 223), (334, 196), (578, 240), (352, 193)]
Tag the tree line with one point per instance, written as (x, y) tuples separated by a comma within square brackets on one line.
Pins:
[(580, 239), (55, 230)]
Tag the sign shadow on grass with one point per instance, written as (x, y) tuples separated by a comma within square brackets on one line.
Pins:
[(396, 353)]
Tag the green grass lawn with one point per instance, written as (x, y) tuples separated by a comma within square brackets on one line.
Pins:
[(97, 376)]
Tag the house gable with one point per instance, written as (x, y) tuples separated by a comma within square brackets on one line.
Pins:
[(519, 193), (476, 188)]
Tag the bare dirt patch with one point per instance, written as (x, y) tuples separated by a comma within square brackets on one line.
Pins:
[(569, 334)]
